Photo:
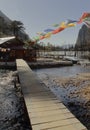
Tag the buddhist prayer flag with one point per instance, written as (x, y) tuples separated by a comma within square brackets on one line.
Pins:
[(58, 30), (41, 37), (71, 21), (71, 25), (48, 35), (48, 30), (66, 25), (56, 25), (87, 24), (40, 33), (63, 25), (36, 38), (85, 18)]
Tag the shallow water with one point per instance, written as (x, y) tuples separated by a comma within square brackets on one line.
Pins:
[(63, 71), (48, 76), (69, 94)]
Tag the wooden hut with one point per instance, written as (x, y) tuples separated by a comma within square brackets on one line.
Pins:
[(13, 48)]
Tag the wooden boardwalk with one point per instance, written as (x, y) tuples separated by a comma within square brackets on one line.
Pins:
[(45, 111)]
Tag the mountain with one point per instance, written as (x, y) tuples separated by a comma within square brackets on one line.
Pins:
[(7, 20), (83, 39), (5, 29)]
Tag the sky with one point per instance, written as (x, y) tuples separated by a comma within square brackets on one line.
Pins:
[(38, 15)]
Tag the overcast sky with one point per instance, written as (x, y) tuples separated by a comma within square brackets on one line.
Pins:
[(38, 15)]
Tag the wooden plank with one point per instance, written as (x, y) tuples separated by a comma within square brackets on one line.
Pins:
[(49, 108), (46, 112), (79, 126), (41, 96), (45, 106), (55, 124), (41, 93), (44, 102), (34, 100), (67, 127), (76, 126), (42, 105), (44, 119)]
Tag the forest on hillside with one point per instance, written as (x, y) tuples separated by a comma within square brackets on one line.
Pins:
[(12, 28)]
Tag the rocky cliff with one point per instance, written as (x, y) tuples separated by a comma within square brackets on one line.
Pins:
[(83, 37)]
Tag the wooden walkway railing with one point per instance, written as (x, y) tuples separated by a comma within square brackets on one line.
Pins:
[(45, 111)]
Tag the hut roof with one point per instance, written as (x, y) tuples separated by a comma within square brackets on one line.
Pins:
[(13, 43), (5, 39)]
